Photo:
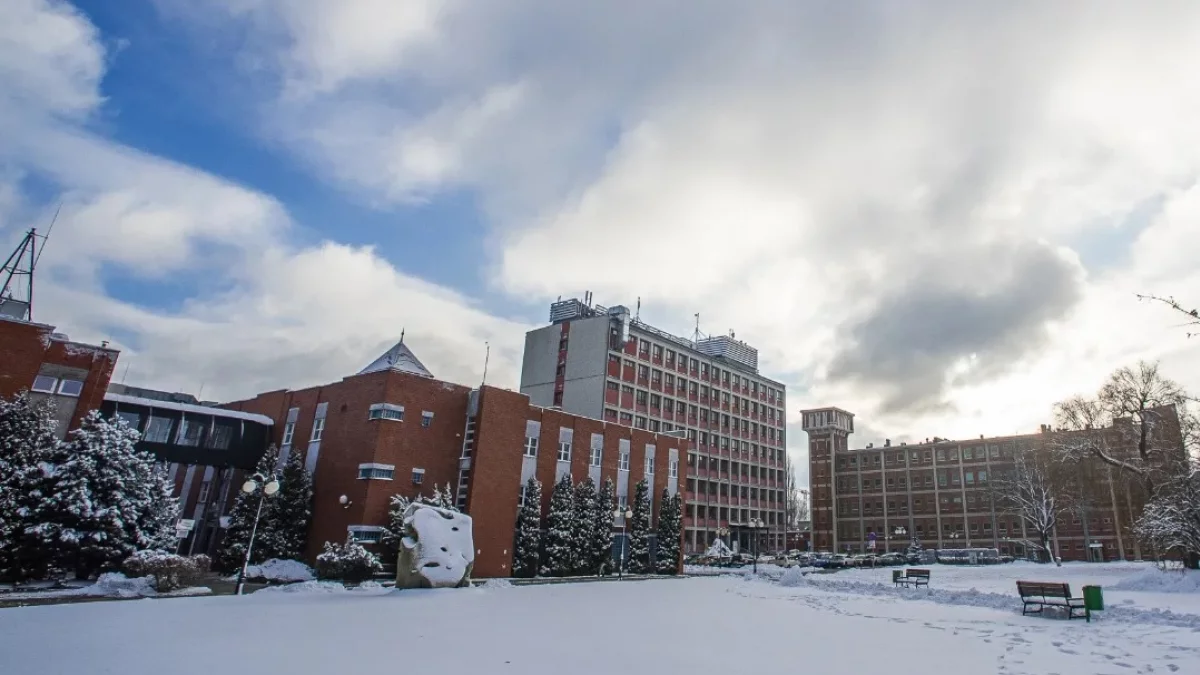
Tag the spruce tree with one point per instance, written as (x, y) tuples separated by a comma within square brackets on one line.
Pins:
[(283, 529), (241, 520), (670, 523), (585, 508), (602, 526), (445, 499), (108, 500), (28, 439), (639, 530), (528, 537), (558, 555), (393, 532)]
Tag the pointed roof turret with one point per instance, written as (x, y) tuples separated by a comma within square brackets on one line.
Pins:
[(400, 359)]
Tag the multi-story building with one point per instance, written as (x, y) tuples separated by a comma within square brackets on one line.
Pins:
[(395, 429), (940, 493), (605, 363)]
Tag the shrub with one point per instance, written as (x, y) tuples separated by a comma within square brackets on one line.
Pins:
[(351, 563), (170, 571)]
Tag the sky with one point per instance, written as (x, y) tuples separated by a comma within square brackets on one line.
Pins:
[(934, 215)]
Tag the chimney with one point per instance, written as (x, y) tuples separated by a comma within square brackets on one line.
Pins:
[(887, 442)]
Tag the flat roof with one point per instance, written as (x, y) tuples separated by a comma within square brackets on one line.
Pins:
[(189, 408)]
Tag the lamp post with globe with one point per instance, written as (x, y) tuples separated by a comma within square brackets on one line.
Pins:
[(755, 525), (622, 514), (270, 486)]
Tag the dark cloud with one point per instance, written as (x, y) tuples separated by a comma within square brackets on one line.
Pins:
[(989, 306)]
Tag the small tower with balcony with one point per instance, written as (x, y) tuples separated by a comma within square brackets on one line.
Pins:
[(828, 432)]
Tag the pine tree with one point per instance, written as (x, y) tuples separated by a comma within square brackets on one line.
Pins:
[(670, 523), (28, 439), (639, 530), (241, 520), (283, 529), (558, 555), (583, 522), (445, 499), (108, 500), (527, 546), (393, 532), (601, 530)]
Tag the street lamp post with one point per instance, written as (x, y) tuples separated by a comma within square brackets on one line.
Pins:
[(755, 525), (627, 513), (270, 485)]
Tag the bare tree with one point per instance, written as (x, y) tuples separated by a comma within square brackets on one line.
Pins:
[(1034, 490), (1192, 314), (795, 506), (1170, 523), (1140, 398)]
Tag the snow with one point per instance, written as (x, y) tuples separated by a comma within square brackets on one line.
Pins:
[(443, 549), (280, 570), (969, 625), (399, 358), (110, 585), (188, 408)]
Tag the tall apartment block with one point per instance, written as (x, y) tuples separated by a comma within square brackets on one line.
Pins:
[(939, 493), (606, 364)]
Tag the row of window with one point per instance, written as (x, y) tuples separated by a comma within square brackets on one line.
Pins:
[(658, 405), (975, 453), (700, 512), (702, 438), (738, 491), (46, 384), (377, 411), (944, 479), (189, 431), (696, 367), (742, 468), (373, 471), (596, 454), (656, 379)]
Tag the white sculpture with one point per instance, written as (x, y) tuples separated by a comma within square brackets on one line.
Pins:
[(437, 550)]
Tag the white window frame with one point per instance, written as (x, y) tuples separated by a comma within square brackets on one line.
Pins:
[(365, 534), (673, 471), (564, 451), (531, 446), (418, 476), (375, 471), (386, 411), (623, 460), (47, 389), (317, 430), (63, 382), (597, 456), (649, 465), (426, 419), (289, 433)]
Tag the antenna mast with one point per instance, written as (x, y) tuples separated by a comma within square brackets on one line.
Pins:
[(16, 295)]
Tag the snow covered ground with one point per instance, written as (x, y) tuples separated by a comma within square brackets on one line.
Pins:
[(845, 622)]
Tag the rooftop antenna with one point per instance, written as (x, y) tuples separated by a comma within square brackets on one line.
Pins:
[(487, 355), (696, 336), (637, 315), (402, 335), (16, 295), (125, 373)]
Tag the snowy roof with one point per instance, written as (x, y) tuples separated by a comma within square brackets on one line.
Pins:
[(399, 358), (188, 408)]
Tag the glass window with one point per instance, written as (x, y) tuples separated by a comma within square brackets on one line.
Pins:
[(564, 451), (289, 431), (221, 436), (190, 432), (131, 418), (418, 476), (45, 384), (426, 419), (531, 444), (318, 429), (158, 430), (70, 387)]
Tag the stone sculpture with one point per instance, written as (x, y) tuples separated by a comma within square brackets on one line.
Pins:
[(437, 550)]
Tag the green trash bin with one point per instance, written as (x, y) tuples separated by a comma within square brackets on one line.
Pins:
[(1093, 598)]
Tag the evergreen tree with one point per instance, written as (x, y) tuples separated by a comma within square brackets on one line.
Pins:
[(393, 532), (241, 520), (108, 500), (639, 530), (670, 523), (283, 529), (558, 556), (585, 508), (28, 441), (445, 499), (601, 530), (527, 546)]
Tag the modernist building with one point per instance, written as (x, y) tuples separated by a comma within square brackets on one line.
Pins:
[(939, 493), (394, 429), (605, 363)]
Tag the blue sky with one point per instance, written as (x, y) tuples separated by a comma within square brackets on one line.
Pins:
[(935, 218)]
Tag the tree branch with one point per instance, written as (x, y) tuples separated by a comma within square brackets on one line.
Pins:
[(1192, 314)]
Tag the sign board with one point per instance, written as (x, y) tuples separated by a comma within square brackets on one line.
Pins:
[(181, 533), (185, 524)]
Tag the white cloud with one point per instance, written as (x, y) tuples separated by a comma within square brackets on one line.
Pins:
[(50, 59)]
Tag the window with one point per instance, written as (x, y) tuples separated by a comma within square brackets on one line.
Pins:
[(564, 451), (190, 432), (365, 534), (289, 430), (967, 453), (158, 430), (385, 411), (970, 477), (982, 476), (623, 456), (418, 476), (670, 359), (658, 352), (205, 487), (597, 450), (643, 348), (376, 471), (45, 384), (220, 436), (132, 419), (318, 429), (426, 419), (649, 465), (70, 387), (673, 471)]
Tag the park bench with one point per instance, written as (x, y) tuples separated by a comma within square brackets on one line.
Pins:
[(1041, 594), (910, 577)]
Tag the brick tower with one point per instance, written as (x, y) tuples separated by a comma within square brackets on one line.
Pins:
[(828, 432)]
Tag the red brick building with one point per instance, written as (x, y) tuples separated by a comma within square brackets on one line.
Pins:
[(48, 364), (939, 493), (394, 429)]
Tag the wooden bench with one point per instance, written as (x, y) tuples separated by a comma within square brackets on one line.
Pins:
[(910, 577), (1041, 594)]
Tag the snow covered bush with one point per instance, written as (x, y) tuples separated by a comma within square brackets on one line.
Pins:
[(1170, 523), (170, 571), (277, 570), (351, 563)]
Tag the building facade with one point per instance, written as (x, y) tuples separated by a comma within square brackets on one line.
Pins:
[(605, 363), (940, 493), (395, 429)]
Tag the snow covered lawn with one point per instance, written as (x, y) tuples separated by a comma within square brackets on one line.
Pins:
[(696, 625)]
